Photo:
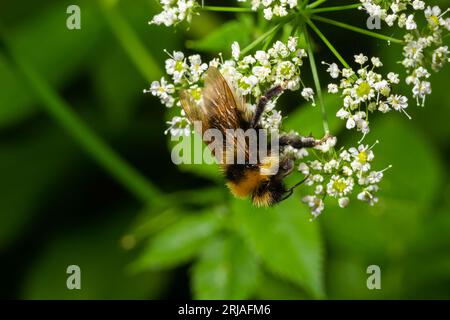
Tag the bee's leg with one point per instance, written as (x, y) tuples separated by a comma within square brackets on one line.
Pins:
[(290, 191), (299, 142), (286, 167), (269, 95)]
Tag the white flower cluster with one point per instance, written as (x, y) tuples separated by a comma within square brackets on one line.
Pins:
[(419, 42), (273, 8), (344, 173), (251, 76), (185, 73), (174, 11), (391, 11), (365, 91)]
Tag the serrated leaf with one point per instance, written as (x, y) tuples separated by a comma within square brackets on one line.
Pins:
[(226, 269), (178, 243), (286, 241)]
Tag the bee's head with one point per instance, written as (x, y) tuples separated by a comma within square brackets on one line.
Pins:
[(269, 193)]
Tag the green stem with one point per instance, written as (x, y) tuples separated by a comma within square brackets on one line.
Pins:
[(62, 113), (316, 81), (225, 9), (265, 35), (356, 29), (315, 4), (144, 62), (260, 39), (336, 8), (268, 41), (327, 43)]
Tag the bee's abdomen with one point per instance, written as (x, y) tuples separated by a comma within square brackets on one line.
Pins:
[(243, 180), (268, 194), (235, 172)]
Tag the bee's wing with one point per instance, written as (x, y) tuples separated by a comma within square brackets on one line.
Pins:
[(219, 101), (194, 112), (223, 109)]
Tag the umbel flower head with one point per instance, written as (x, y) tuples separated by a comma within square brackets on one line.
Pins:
[(175, 11), (251, 75), (273, 8), (420, 43), (365, 91), (339, 175), (336, 175)]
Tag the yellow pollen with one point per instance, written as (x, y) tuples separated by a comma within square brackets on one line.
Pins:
[(362, 157), (179, 66), (196, 93), (339, 185), (363, 89), (435, 20)]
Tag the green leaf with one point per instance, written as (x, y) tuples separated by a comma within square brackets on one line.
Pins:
[(56, 59), (406, 192), (95, 249), (272, 288), (226, 269), (286, 241), (348, 278), (307, 119), (179, 242), (220, 39), (417, 172), (434, 237), (199, 159), (386, 233)]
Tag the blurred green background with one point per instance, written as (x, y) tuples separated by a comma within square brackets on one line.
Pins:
[(140, 227)]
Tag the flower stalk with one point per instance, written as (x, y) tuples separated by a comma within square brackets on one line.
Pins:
[(356, 29), (336, 8), (327, 43), (315, 4), (315, 74), (260, 39), (226, 9)]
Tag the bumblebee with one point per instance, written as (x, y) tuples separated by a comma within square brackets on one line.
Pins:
[(224, 109)]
